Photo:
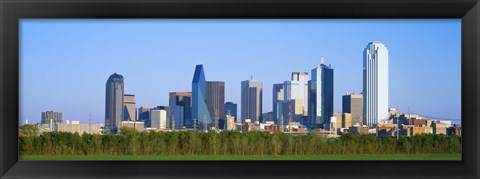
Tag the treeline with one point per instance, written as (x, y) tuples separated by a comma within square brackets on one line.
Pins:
[(131, 142)]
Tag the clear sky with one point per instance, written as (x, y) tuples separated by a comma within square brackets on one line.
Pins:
[(64, 64)]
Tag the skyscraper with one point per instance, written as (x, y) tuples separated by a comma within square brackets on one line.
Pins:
[(320, 96), (231, 107), (176, 115), (293, 101), (302, 78), (183, 99), (53, 116), (168, 113), (199, 95), (129, 110), (277, 99), (295, 97), (114, 102), (353, 104), (216, 99), (375, 84), (251, 101), (144, 115), (158, 117), (53, 119)]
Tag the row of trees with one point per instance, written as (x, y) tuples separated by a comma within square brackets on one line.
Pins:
[(131, 142)]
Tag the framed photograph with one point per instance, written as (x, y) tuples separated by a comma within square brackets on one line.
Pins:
[(239, 89)]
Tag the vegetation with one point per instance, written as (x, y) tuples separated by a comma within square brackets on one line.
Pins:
[(28, 130), (132, 142), (249, 157)]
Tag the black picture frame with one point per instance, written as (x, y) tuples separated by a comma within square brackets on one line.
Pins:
[(12, 10)]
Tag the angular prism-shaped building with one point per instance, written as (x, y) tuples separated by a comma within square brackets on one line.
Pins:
[(199, 104)]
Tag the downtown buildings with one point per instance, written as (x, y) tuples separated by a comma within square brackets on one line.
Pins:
[(306, 99)]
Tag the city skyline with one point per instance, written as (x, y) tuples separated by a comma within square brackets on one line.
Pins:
[(232, 87)]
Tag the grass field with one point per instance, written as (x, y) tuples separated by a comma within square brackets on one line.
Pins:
[(254, 157)]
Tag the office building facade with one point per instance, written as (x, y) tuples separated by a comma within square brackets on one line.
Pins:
[(176, 115), (231, 109), (52, 117), (320, 96), (183, 99), (293, 103), (251, 100), (200, 111), (302, 78), (277, 99), (144, 115), (216, 100), (114, 101), (353, 104), (375, 84), (158, 118), (129, 108)]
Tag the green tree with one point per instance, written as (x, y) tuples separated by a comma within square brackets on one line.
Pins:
[(28, 130)]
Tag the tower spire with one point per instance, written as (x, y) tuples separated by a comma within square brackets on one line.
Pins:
[(251, 76), (322, 60)]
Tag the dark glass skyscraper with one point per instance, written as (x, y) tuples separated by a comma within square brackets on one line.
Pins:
[(199, 95), (232, 108), (183, 99), (114, 102), (216, 99), (320, 96)]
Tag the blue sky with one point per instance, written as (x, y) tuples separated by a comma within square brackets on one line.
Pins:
[(64, 64)]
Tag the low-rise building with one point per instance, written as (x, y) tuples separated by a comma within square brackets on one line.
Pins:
[(419, 122), (439, 128), (140, 126), (75, 126), (428, 130), (418, 130), (358, 129), (455, 130), (385, 130)]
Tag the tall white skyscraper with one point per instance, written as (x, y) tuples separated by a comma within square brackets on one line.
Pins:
[(375, 84)]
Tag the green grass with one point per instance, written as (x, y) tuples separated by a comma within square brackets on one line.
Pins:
[(253, 157)]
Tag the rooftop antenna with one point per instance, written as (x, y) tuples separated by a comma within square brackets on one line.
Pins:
[(322, 60), (251, 76)]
